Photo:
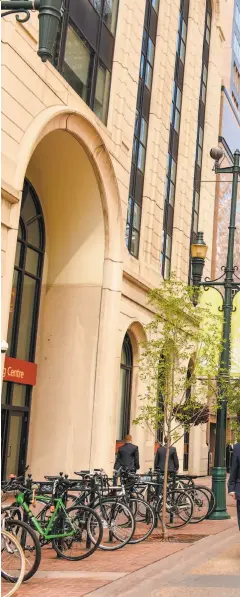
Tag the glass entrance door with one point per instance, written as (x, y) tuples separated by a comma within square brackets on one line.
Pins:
[(13, 444), (22, 330), (14, 434)]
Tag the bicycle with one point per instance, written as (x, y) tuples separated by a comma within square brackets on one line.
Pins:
[(117, 519), (12, 563), (199, 492), (29, 543), (179, 506), (68, 529)]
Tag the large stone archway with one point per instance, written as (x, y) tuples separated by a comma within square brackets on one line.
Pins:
[(66, 160)]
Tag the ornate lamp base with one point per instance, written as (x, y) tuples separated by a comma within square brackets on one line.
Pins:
[(219, 490)]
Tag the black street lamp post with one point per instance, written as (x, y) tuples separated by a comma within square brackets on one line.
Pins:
[(230, 288), (50, 12)]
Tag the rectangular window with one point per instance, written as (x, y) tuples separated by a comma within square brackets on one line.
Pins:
[(102, 93), (155, 4), (110, 11), (200, 130), (148, 76), (141, 157), (175, 119), (84, 50), (77, 64), (141, 127)]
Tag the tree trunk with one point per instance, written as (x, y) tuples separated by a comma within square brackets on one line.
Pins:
[(170, 394), (164, 528)]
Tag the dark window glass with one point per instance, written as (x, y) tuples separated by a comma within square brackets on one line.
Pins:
[(18, 395), (155, 4), (31, 264), (34, 233), (141, 157), (148, 76), (141, 127), (77, 64), (200, 130), (110, 10), (135, 242), (22, 328), (175, 120), (24, 304), (97, 4), (84, 53), (136, 216), (18, 254), (150, 51), (102, 93), (125, 389)]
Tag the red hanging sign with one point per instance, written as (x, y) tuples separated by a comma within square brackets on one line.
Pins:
[(20, 371)]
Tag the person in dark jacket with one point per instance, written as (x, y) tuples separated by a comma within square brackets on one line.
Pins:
[(229, 451), (234, 479), (173, 463), (127, 456)]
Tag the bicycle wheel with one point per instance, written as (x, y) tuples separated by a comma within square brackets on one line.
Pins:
[(12, 563), (144, 519), (179, 508), (83, 525), (211, 497), (118, 524), (29, 543), (200, 504)]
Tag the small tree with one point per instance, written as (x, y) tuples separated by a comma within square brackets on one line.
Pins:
[(178, 332)]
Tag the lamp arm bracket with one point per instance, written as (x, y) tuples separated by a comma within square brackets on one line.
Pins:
[(235, 269), (227, 170), (207, 279), (12, 7), (17, 12)]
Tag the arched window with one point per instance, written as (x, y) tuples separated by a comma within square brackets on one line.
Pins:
[(124, 404), (22, 329)]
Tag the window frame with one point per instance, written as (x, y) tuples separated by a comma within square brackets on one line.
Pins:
[(10, 409), (200, 127), (127, 395), (175, 114), (135, 195), (103, 32)]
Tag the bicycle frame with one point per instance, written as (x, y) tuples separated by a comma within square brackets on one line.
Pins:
[(59, 506)]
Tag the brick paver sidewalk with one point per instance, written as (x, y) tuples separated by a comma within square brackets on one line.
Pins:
[(61, 578)]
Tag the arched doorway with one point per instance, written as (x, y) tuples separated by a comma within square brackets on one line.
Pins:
[(73, 405), (125, 388), (22, 331), (67, 344)]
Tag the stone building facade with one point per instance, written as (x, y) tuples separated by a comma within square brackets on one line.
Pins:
[(98, 205)]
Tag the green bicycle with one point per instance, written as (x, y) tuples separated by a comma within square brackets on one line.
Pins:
[(68, 529)]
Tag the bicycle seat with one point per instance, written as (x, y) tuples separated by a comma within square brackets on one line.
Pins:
[(187, 477), (51, 478)]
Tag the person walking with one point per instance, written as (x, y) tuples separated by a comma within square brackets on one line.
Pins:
[(229, 451), (127, 456), (234, 479), (160, 457)]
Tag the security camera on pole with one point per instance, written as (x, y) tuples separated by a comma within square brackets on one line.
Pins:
[(230, 287)]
